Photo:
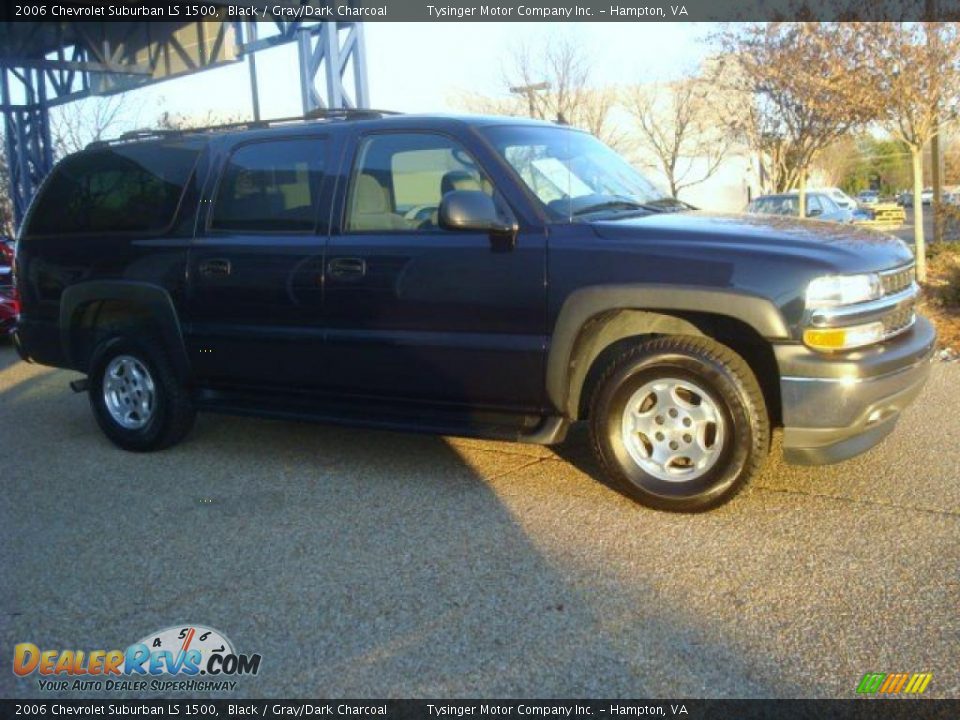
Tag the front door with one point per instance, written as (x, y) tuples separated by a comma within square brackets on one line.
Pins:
[(418, 312), (256, 267)]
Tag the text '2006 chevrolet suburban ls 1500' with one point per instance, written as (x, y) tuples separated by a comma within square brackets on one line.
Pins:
[(476, 276)]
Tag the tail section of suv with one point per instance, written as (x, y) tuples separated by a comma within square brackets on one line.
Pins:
[(478, 276)]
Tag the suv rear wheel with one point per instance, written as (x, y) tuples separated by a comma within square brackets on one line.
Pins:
[(679, 423), (136, 397)]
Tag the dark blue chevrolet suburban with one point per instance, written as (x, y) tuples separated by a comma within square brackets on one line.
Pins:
[(491, 277)]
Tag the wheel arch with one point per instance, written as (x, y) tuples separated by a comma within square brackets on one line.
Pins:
[(85, 307), (595, 322)]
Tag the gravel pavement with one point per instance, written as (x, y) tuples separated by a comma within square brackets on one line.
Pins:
[(375, 564)]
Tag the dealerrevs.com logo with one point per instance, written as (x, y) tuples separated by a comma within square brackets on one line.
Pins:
[(184, 652), (894, 683)]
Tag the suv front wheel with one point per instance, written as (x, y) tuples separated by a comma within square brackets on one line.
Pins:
[(136, 397), (679, 423)]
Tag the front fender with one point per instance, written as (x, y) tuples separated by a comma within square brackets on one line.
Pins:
[(591, 320)]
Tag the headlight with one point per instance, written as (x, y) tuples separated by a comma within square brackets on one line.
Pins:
[(834, 290)]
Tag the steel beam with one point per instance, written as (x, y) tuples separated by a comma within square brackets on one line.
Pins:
[(334, 50), (82, 66), (27, 137)]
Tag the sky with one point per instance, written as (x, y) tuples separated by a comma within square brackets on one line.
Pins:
[(423, 67)]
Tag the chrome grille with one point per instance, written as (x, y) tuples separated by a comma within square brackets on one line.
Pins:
[(898, 321), (893, 281)]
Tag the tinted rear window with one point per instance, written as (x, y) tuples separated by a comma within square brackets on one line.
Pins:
[(119, 189)]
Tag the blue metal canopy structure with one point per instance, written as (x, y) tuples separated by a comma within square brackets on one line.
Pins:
[(46, 64)]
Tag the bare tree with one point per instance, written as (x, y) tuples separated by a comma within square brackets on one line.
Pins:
[(792, 89), (75, 126), (914, 75), (176, 121), (676, 124), (551, 81)]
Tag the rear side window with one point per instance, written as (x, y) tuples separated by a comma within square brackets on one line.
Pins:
[(119, 189), (271, 187)]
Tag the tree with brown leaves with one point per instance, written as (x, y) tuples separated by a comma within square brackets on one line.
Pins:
[(6, 198), (791, 90), (913, 73)]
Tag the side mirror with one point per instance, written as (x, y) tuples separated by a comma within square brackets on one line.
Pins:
[(813, 212), (474, 210)]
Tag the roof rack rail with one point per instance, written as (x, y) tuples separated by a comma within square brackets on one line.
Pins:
[(139, 134), (142, 133), (316, 114), (347, 113)]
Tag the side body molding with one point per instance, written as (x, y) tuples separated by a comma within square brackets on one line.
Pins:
[(592, 318), (152, 298)]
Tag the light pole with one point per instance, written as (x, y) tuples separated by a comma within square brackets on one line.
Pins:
[(530, 92)]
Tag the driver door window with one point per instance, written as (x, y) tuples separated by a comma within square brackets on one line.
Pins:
[(399, 180)]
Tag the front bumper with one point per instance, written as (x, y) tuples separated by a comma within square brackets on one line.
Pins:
[(838, 407)]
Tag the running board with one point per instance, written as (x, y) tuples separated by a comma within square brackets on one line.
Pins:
[(413, 418)]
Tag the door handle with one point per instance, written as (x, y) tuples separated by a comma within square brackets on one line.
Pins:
[(347, 268), (216, 267)]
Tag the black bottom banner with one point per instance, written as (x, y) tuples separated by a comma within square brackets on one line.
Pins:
[(521, 710)]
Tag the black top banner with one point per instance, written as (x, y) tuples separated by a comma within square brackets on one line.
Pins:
[(917, 709), (481, 10)]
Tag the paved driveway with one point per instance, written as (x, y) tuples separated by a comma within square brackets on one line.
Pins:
[(905, 231), (366, 563)]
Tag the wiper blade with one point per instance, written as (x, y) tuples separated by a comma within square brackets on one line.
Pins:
[(668, 204), (615, 205)]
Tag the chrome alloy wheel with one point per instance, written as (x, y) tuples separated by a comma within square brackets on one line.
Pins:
[(129, 392), (673, 429)]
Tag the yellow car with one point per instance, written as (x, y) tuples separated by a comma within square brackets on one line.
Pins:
[(887, 215)]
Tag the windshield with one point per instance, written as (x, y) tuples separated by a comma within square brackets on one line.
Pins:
[(573, 174), (839, 196)]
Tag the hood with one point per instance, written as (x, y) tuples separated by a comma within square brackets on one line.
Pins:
[(840, 247)]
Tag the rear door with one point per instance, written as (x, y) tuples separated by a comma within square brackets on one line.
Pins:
[(418, 312), (256, 265)]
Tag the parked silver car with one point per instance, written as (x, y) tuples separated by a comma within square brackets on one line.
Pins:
[(819, 206)]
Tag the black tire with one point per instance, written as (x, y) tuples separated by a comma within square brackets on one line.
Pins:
[(173, 411), (734, 392)]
